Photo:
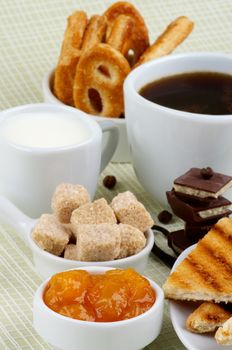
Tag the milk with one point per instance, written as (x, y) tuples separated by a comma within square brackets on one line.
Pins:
[(44, 130)]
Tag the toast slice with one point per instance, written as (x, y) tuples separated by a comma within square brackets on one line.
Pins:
[(207, 318), (205, 274), (223, 335)]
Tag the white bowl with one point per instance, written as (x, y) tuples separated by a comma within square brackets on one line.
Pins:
[(65, 333), (122, 153), (47, 264)]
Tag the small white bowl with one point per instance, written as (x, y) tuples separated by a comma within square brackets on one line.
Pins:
[(65, 333), (47, 264), (122, 153)]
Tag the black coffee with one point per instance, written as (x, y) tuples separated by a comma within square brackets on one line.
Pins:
[(199, 92)]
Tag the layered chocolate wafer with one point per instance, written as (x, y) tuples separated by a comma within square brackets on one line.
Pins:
[(202, 183), (215, 209)]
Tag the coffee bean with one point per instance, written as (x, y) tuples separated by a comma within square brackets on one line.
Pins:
[(165, 217), (109, 181), (206, 173)]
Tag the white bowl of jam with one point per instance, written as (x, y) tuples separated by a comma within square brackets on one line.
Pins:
[(104, 322)]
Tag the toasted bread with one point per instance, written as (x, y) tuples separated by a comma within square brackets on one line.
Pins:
[(223, 335), (205, 274), (207, 318)]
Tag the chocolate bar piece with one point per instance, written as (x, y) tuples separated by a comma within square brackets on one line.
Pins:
[(178, 241), (194, 183), (216, 208), (196, 231), (193, 200)]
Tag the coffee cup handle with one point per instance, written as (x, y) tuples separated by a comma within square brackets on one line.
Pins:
[(109, 149)]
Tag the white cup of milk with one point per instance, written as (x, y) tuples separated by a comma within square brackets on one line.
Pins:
[(43, 145)]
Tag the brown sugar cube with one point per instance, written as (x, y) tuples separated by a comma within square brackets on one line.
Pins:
[(132, 240), (98, 212), (129, 210), (68, 197), (99, 242), (70, 252), (72, 238), (50, 235)]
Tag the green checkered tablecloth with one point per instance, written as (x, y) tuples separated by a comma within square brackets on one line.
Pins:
[(30, 36)]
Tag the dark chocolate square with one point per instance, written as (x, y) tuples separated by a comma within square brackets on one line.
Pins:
[(194, 180), (190, 212)]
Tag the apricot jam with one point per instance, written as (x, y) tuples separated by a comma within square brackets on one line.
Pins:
[(113, 296)]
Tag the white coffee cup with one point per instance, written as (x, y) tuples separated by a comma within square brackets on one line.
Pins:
[(43, 145), (165, 142)]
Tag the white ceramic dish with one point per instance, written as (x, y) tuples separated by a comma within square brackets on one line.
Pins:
[(122, 153), (68, 334), (179, 311), (47, 264)]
